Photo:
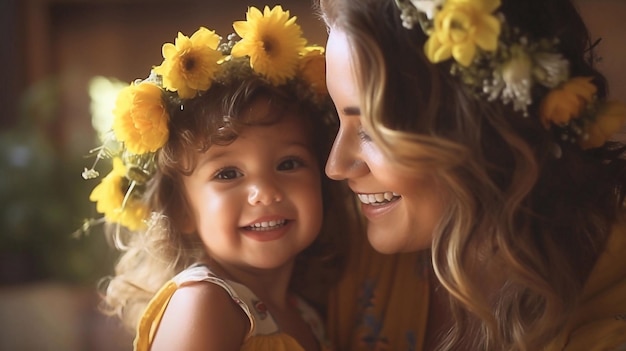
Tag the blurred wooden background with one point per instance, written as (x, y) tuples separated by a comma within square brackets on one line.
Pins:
[(49, 51)]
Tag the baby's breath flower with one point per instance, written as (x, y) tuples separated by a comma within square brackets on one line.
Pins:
[(272, 40), (90, 173)]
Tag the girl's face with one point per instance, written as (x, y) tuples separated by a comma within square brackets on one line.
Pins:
[(257, 202), (402, 208)]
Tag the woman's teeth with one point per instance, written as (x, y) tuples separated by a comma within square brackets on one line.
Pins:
[(263, 226), (378, 198)]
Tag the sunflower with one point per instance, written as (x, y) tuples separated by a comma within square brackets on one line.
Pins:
[(109, 199), (610, 119), (108, 194), (133, 216), (140, 118), (272, 40), (190, 64), (567, 101), (313, 69)]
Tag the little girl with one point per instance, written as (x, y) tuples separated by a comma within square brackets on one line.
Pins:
[(217, 193)]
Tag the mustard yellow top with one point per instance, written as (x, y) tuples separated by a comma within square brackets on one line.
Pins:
[(599, 323), (264, 334), (382, 303)]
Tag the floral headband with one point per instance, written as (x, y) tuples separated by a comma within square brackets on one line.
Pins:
[(499, 62), (271, 46)]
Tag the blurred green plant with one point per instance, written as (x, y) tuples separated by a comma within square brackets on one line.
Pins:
[(44, 199)]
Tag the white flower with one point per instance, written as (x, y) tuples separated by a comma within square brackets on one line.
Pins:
[(428, 7), (517, 79), (90, 173), (550, 69), (512, 80)]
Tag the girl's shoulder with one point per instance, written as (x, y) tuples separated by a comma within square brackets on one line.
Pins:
[(188, 313), (185, 311)]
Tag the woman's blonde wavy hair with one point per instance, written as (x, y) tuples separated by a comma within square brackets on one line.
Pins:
[(152, 257), (516, 212)]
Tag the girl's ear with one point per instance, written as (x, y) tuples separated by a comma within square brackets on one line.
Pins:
[(187, 224), (185, 221)]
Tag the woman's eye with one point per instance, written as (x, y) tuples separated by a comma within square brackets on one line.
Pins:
[(363, 135), (289, 164), (227, 174)]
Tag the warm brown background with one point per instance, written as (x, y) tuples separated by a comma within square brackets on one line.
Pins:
[(49, 49)]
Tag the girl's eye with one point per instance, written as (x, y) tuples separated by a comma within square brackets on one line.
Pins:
[(227, 174), (289, 164)]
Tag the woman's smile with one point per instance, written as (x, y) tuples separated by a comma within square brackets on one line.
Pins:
[(377, 205), (376, 199)]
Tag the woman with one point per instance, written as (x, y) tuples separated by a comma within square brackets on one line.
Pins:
[(476, 133)]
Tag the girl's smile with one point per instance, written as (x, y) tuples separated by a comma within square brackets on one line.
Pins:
[(267, 230)]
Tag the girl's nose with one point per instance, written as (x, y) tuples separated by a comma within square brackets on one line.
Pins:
[(344, 161), (264, 193)]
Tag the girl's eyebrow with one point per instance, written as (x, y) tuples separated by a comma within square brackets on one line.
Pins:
[(204, 159), (351, 111)]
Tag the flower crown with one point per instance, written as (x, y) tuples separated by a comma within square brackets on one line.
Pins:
[(271, 46), (500, 63)]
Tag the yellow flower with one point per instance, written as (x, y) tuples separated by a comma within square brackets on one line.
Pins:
[(132, 216), (461, 26), (140, 118), (610, 119), (190, 65), (109, 199), (272, 40), (108, 194), (566, 102), (313, 69)]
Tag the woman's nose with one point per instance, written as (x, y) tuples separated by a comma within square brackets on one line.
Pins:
[(264, 192), (344, 161)]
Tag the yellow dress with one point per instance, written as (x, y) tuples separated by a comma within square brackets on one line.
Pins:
[(382, 303), (264, 334)]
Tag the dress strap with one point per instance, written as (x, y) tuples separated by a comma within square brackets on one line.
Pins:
[(312, 318), (261, 321)]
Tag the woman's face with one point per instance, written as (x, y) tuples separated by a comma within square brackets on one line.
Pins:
[(402, 207)]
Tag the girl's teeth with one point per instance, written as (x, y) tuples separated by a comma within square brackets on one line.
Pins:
[(261, 226)]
